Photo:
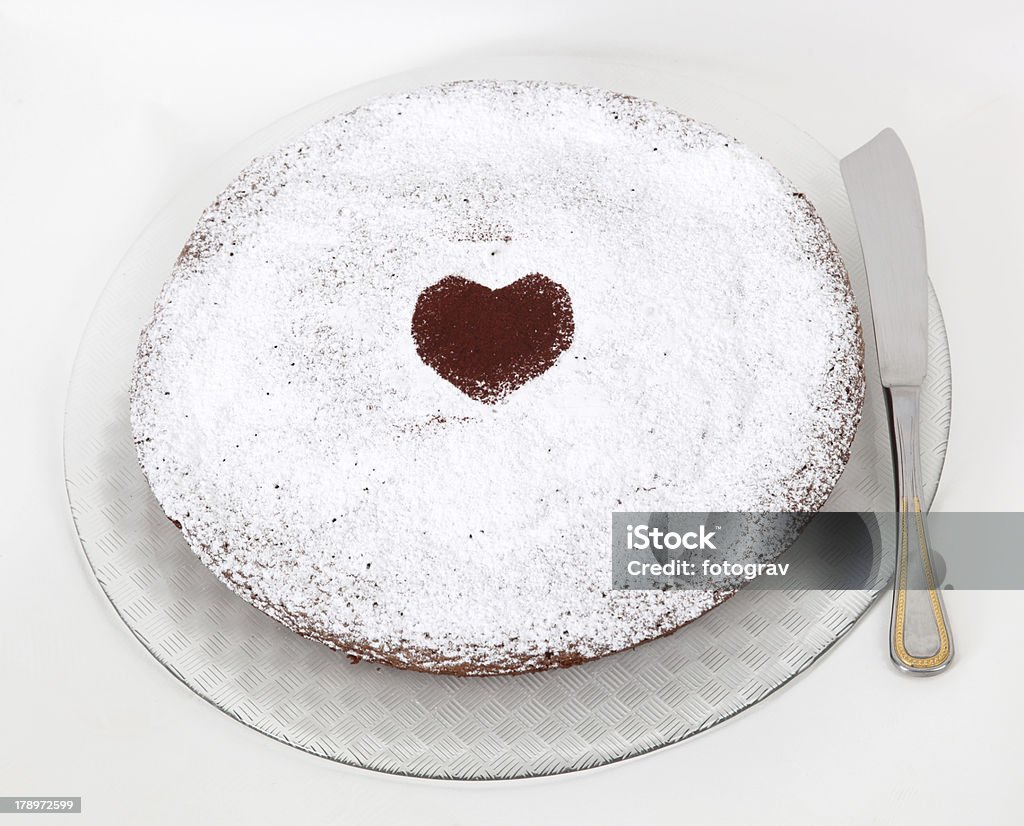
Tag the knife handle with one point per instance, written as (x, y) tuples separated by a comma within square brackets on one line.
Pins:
[(919, 637)]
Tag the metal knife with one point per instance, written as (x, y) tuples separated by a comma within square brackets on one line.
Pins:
[(886, 204)]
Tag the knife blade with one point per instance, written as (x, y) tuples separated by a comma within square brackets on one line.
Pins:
[(883, 193)]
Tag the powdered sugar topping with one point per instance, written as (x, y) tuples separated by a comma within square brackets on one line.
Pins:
[(284, 418)]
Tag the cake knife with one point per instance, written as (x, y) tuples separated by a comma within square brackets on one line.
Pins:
[(886, 204)]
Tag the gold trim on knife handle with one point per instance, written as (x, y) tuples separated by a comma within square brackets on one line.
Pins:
[(920, 640), (899, 626)]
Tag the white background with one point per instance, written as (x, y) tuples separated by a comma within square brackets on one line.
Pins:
[(108, 108)]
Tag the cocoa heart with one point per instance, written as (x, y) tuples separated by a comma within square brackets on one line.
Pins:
[(489, 342)]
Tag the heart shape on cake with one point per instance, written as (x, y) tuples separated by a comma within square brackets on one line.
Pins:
[(490, 342)]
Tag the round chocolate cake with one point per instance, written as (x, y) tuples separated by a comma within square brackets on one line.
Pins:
[(407, 366)]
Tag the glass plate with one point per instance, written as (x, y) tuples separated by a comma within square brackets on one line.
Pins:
[(303, 694)]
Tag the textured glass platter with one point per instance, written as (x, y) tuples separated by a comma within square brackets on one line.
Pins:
[(380, 718)]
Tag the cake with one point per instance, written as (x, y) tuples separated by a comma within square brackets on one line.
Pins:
[(407, 365)]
